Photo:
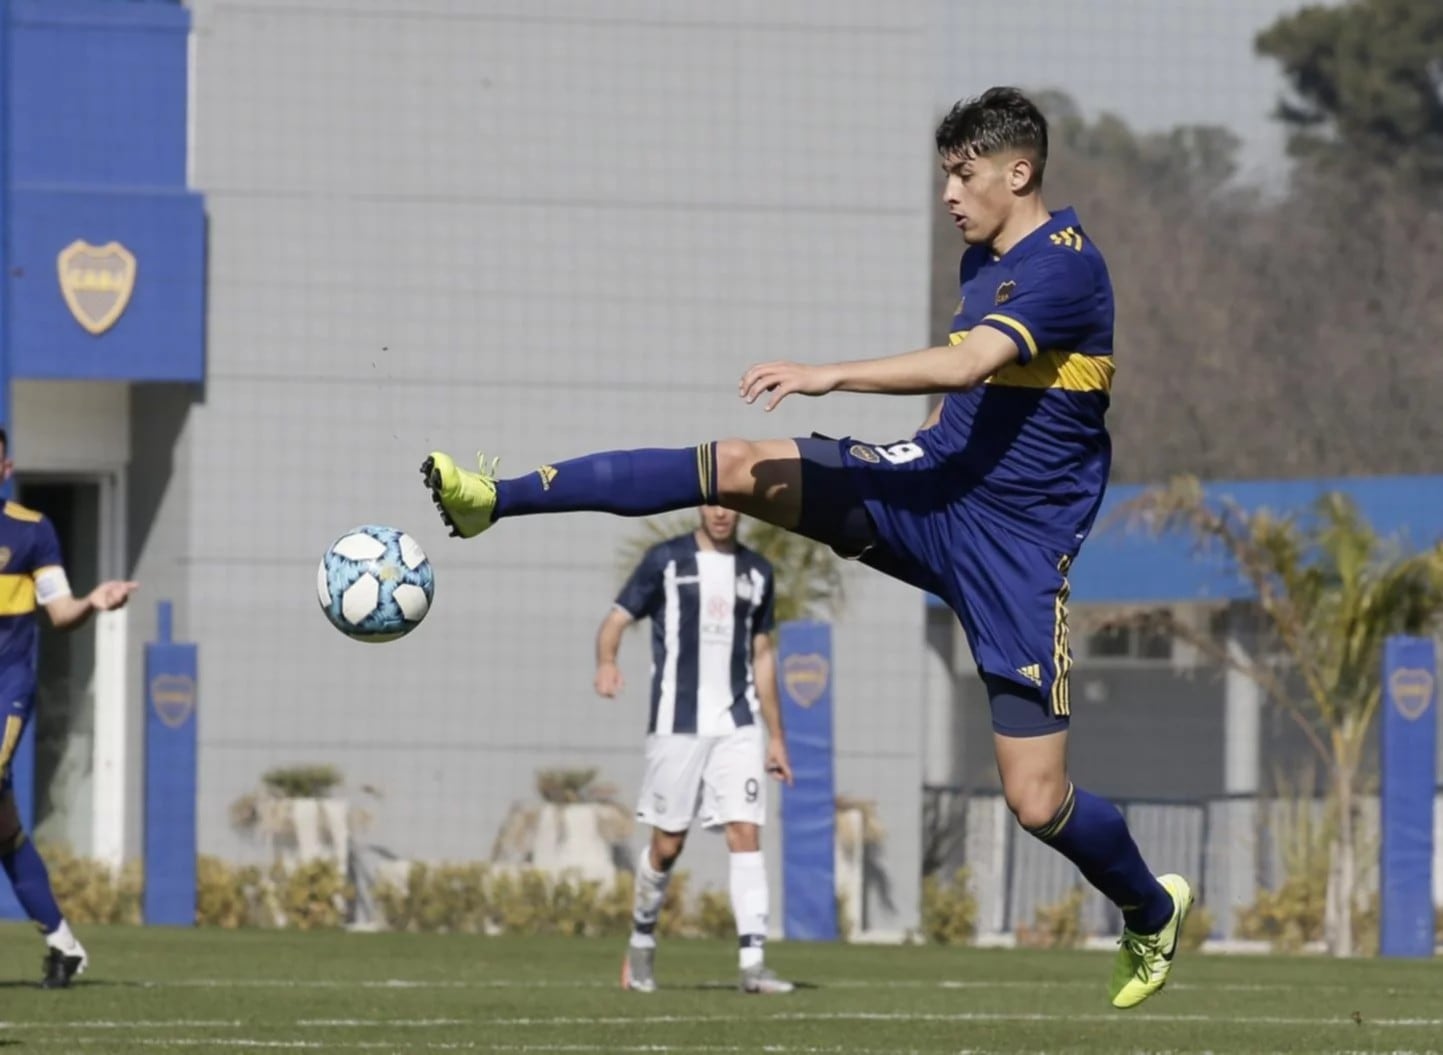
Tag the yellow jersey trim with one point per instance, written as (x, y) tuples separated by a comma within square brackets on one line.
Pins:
[(1069, 371), (1018, 330), (17, 594), (15, 511)]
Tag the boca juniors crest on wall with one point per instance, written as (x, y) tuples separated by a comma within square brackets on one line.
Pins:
[(97, 282)]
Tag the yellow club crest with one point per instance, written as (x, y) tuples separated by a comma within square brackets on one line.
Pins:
[(1412, 690), (173, 696), (96, 282), (805, 677)]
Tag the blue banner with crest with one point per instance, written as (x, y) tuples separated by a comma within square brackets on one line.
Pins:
[(809, 817), (1409, 748), (170, 777)]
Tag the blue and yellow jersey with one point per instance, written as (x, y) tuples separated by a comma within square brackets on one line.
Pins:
[(1031, 443), (31, 574)]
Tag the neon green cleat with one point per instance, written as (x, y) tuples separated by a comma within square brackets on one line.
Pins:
[(1145, 960), (466, 500)]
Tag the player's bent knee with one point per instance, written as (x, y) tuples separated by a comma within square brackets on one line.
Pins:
[(743, 837), (1034, 803), (736, 462)]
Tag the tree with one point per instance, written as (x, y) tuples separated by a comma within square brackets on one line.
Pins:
[(1366, 76), (1328, 590), (808, 583)]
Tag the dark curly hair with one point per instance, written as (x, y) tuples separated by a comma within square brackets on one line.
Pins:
[(1001, 119)]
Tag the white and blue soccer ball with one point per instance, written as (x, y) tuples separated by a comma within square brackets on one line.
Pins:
[(375, 584)]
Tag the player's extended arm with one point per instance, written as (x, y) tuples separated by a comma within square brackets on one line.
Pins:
[(954, 368), (764, 661), (608, 644), (68, 612)]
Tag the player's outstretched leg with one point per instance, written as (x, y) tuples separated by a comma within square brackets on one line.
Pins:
[(1092, 833), (760, 478)]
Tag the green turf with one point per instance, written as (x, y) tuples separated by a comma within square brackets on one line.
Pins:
[(209, 990)]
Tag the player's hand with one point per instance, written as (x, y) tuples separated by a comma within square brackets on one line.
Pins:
[(109, 596), (779, 765), (783, 378), (608, 680)]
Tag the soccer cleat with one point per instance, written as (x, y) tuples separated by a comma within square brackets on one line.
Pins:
[(466, 500), (760, 981), (61, 966), (637, 970), (1145, 960)]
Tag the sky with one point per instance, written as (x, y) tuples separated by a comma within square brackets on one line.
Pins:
[(1155, 63)]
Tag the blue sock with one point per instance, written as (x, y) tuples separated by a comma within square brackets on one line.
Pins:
[(31, 881), (627, 483), (1092, 834)]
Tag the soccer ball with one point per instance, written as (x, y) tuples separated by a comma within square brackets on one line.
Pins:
[(375, 584)]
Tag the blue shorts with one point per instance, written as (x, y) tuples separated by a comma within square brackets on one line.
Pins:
[(898, 508), (17, 703)]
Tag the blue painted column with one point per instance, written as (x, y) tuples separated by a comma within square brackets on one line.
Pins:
[(170, 777)]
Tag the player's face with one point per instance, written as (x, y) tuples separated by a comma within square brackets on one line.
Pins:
[(980, 193), (720, 525)]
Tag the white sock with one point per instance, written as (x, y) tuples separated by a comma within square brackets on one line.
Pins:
[(646, 907), (61, 938), (751, 901)]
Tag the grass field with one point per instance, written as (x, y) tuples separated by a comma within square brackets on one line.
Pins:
[(220, 991)]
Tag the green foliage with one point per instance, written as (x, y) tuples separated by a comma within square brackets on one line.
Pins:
[(227, 896), (1366, 77), (302, 781), (949, 910), (809, 582), (89, 891), (314, 895), (713, 917), (1189, 160), (1055, 926), (475, 898)]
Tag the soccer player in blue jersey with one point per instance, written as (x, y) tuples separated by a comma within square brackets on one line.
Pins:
[(711, 604), (32, 575), (987, 505)]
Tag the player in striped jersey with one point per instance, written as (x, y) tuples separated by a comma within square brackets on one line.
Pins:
[(710, 601), (32, 576)]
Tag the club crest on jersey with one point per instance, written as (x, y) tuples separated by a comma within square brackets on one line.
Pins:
[(173, 697), (862, 452), (4, 557), (805, 677), (96, 282), (1412, 690), (744, 587), (1005, 291)]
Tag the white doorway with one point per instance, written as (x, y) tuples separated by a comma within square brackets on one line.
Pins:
[(75, 685)]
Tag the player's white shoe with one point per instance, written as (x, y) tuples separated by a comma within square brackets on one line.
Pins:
[(637, 970), (760, 981)]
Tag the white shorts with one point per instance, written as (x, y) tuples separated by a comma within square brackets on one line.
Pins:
[(720, 779)]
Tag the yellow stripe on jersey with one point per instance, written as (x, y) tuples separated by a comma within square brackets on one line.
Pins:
[(1017, 330), (14, 726), (17, 594), (957, 337), (1070, 371), (1061, 652), (15, 511)]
